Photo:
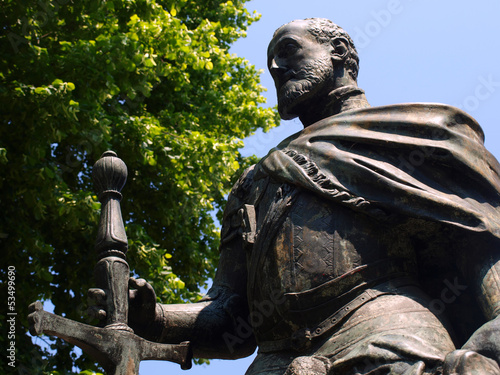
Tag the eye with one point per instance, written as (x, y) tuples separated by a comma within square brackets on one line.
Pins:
[(288, 50)]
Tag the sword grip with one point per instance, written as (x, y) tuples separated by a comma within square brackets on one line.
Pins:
[(112, 270)]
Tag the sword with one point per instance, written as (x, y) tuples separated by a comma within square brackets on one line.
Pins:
[(117, 349)]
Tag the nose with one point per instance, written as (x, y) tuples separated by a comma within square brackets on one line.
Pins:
[(276, 68), (274, 65)]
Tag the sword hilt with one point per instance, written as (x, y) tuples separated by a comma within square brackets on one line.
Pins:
[(115, 346), (112, 271)]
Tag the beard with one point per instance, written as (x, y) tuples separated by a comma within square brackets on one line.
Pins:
[(301, 86)]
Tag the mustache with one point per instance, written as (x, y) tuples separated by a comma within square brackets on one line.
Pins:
[(306, 73), (312, 71), (299, 82)]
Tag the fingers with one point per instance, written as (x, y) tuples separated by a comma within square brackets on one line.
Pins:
[(137, 283), (142, 301), (140, 288), (97, 295), (96, 312)]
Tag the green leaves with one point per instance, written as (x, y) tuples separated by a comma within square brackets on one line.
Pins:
[(151, 80), (3, 156)]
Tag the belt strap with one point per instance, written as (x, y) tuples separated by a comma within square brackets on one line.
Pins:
[(302, 338)]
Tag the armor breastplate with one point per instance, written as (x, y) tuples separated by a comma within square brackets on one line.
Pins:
[(311, 254)]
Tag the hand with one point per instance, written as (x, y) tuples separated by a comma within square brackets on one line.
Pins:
[(486, 340), (142, 305), (97, 309), (142, 317)]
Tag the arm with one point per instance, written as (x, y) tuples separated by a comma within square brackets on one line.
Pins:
[(481, 353), (217, 325), (486, 340)]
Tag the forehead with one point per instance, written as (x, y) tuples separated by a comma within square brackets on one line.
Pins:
[(295, 30)]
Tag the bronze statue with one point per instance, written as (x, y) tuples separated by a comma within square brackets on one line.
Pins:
[(368, 243)]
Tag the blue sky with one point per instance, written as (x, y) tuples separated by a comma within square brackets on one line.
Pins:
[(410, 51)]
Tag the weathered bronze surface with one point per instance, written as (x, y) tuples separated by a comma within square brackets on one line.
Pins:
[(115, 346), (367, 243)]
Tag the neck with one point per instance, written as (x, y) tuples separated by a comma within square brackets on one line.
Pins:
[(339, 100)]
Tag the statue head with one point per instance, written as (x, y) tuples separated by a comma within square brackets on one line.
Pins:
[(308, 59)]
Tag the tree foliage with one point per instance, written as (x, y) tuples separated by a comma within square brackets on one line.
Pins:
[(152, 80)]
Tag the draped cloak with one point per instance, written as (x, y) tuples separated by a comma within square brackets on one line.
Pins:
[(420, 160)]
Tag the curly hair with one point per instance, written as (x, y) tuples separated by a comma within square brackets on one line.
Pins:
[(325, 31)]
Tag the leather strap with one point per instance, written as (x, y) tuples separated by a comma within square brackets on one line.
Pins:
[(302, 339)]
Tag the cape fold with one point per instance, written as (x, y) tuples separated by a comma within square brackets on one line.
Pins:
[(420, 160)]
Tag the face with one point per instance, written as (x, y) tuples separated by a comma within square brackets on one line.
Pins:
[(301, 68)]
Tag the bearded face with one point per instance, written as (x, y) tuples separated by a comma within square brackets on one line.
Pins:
[(302, 85), (302, 68)]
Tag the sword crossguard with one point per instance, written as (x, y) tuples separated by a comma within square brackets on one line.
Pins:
[(119, 352)]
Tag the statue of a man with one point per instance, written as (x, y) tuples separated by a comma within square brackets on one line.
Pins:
[(367, 243)]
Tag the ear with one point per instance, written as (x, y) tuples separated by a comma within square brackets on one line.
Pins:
[(340, 49)]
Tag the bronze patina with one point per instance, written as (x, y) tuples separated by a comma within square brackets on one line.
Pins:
[(367, 243)]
